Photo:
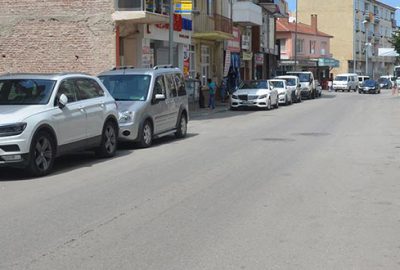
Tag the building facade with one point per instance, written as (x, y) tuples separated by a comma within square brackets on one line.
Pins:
[(360, 28), (312, 52), (57, 36)]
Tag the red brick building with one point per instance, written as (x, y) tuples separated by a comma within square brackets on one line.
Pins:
[(57, 35)]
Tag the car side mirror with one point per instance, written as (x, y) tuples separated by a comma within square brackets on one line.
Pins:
[(159, 97), (271, 87), (299, 85), (62, 101)]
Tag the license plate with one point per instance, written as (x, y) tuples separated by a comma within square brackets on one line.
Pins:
[(247, 102)]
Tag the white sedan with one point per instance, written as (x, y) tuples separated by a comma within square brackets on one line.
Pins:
[(284, 93), (257, 93)]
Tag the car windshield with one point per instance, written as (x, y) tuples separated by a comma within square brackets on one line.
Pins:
[(25, 91), (341, 78), (369, 83), (277, 84), (254, 85), (303, 77), (127, 87), (383, 80), (291, 82)]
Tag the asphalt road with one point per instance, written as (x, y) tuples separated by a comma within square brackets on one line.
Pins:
[(309, 186)]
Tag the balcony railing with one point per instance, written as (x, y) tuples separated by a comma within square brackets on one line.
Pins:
[(222, 24), (154, 6)]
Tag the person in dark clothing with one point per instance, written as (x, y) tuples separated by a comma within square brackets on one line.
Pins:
[(201, 96)]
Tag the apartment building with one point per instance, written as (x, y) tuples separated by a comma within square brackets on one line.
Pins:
[(360, 28)]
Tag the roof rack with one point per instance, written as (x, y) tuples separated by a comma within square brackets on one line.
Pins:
[(163, 66), (123, 67)]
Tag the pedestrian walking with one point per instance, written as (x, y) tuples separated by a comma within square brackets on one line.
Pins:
[(212, 89), (396, 87), (200, 89)]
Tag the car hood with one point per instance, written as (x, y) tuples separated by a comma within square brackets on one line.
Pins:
[(254, 92), (131, 106), (18, 113), (281, 90), (339, 82), (304, 84)]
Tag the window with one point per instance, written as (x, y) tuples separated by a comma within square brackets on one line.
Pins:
[(171, 85), (159, 87), (88, 88), (324, 46), (312, 46), (127, 87), (205, 63), (357, 24), (25, 91), (366, 7), (67, 87), (210, 9), (283, 45), (180, 84), (300, 45)]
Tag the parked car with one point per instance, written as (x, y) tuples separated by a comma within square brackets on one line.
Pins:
[(369, 87), (307, 82), (256, 94), (152, 102), (284, 93), (391, 78), (346, 82), (45, 116), (293, 83), (361, 79), (384, 83)]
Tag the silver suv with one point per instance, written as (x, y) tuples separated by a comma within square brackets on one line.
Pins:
[(151, 102), (43, 116)]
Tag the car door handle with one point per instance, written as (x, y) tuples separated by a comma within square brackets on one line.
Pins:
[(81, 109)]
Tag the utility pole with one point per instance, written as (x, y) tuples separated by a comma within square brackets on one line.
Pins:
[(171, 32), (295, 41), (354, 37)]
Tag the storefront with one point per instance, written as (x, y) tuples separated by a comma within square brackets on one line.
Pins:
[(147, 45)]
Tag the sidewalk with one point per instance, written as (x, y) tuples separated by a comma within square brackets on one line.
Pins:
[(196, 112)]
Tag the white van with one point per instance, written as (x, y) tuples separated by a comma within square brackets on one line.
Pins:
[(346, 82), (361, 79)]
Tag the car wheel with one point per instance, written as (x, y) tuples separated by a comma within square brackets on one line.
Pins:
[(286, 101), (146, 135), (108, 145), (269, 105), (42, 154), (276, 106), (233, 108), (182, 127)]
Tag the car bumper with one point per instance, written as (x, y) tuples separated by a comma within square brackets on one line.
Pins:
[(128, 131), (13, 150), (369, 91), (282, 99), (306, 93), (257, 103)]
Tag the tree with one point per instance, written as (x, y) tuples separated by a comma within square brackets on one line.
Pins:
[(395, 41)]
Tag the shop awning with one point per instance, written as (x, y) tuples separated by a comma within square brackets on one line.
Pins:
[(139, 17), (328, 62), (215, 35)]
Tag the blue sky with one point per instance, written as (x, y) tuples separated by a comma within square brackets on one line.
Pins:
[(393, 3)]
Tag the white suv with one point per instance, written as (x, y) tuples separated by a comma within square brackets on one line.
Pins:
[(43, 116)]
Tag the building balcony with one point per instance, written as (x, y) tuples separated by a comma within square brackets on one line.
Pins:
[(279, 8), (215, 27), (246, 13), (141, 11)]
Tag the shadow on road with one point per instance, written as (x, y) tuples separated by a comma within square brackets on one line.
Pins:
[(77, 160)]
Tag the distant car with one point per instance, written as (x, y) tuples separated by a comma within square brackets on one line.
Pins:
[(284, 93), (346, 82), (307, 81), (385, 83), (43, 116), (293, 83), (256, 94), (369, 87)]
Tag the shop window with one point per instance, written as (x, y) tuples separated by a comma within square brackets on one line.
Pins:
[(312, 46), (205, 63)]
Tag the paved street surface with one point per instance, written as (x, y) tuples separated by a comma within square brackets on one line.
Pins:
[(310, 186)]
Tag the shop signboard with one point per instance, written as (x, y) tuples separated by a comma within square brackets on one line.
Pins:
[(186, 60), (259, 59), (227, 63), (247, 56), (245, 42), (233, 44), (183, 6)]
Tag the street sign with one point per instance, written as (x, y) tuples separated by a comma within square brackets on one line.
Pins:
[(183, 6)]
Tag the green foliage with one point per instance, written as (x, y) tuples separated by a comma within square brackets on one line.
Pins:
[(396, 41)]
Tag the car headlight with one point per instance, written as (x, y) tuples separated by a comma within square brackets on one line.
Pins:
[(281, 94), (125, 117), (12, 129), (235, 96), (262, 96)]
